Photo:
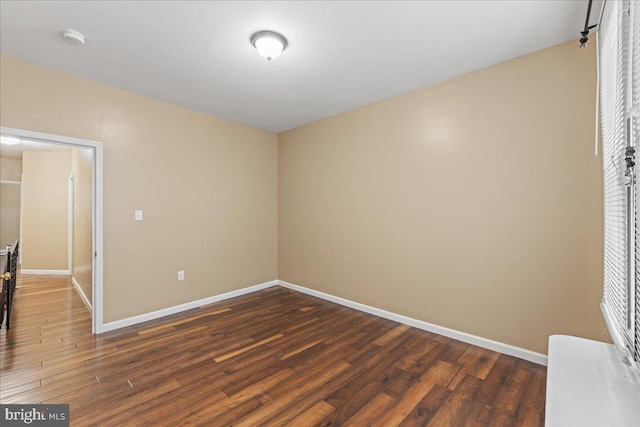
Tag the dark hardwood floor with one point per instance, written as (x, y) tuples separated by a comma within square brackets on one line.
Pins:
[(274, 357)]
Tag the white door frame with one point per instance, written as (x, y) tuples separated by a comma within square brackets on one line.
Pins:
[(70, 213), (97, 208)]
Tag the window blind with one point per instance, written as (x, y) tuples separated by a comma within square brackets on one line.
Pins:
[(620, 232), (634, 17)]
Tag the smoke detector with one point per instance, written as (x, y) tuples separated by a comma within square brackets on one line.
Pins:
[(73, 36)]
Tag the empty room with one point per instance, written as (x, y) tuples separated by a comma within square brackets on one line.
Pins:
[(320, 213)]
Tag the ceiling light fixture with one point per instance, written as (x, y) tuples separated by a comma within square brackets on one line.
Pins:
[(269, 44), (9, 140), (73, 36)]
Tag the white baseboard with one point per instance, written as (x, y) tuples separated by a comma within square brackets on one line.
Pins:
[(62, 272), (182, 307), (500, 347), (85, 300)]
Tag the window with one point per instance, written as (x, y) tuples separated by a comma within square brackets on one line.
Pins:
[(619, 81)]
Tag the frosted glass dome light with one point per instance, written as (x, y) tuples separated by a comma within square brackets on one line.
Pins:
[(269, 44), (9, 140)]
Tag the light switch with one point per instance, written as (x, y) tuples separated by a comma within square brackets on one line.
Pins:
[(138, 215)]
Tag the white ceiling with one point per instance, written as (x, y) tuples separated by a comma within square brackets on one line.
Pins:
[(341, 55)]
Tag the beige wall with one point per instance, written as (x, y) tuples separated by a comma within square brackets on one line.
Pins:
[(81, 167), (45, 210), (474, 204), (9, 214), (10, 170), (207, 186)]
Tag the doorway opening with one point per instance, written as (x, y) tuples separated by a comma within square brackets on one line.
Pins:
[(90, 154)]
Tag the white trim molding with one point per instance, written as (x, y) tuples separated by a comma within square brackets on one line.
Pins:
[(500, 347), (83, 296), (183, 307), (57, 272), (70, 218)]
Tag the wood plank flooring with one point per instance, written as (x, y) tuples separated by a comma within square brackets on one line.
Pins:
[(273, 358)]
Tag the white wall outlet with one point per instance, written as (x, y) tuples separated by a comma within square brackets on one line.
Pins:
[(180, 275), (138, 215)]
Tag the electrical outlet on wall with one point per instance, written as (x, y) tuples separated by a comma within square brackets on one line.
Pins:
[(180, 275)]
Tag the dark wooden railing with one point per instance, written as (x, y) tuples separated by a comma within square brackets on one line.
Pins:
[(9, 277)]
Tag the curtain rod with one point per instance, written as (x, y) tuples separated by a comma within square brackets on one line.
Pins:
[(584, 34)]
